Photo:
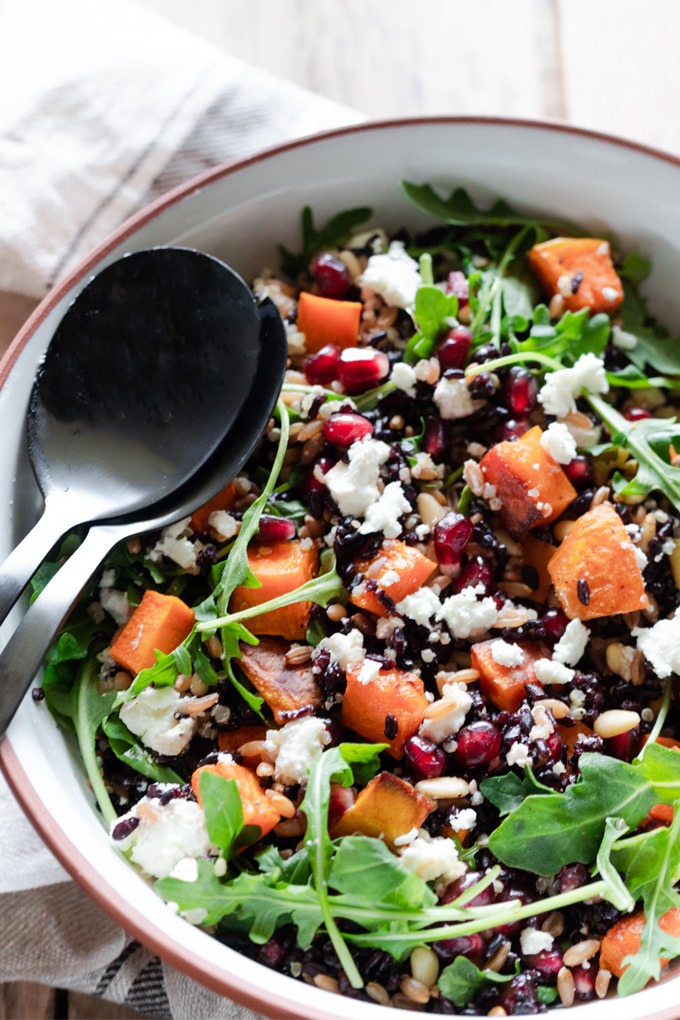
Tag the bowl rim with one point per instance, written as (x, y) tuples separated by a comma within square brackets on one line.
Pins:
[(134, 922)]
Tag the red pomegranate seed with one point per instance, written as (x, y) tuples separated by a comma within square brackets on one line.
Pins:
[(312, 483), (434, 439), (476, 572), (345, 428), (548, 962), (521, 391), (555, 746), (466, 881), (322, 367), (478, 744), (555, 624), (454, 351), (578, 471), (636, 414), (457, 283), (275, 529), (512, 891), (427, 760), (451, 534), (471, 946), (331, 275), (508, 431), (625, 746), (584, 982), (362, 368), (342, 798)]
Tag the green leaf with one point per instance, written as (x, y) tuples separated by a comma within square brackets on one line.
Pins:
[(223, 810), (336, 232), (618, 893), (509, 791), (130, 751), (432, 308), (366, 868), (634, 267), (462, 980), (546, 995)]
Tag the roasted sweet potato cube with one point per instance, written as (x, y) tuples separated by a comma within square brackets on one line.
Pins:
[(159, 623), (531, 487), (623, 939), (280, 567), (505, 685), (369, 703), (386, 808), (224, 500), (537, 556), (408, 563), (581, 270), (594, 571), (286, 688)]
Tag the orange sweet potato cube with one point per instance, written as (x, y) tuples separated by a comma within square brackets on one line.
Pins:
[(257, 808), (328, 321), (531, 486), (594, 571), (224, 500), (407, 562), (581, 270), (386, 808), (368, 703), (505, 685), (160, 622), (285, 687), (281, 568)]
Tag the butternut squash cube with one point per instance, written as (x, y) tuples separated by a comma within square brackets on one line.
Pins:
[(385, 809), (281, 568), (286, 688), (394, 557), (505, 685), (581, 270), (391, 693), (159, 623)]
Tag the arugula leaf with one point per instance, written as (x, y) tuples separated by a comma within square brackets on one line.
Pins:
[(635, 267), (619, 894), (366, 868), (223, 811), (296, 870), (131, 752), (432, 308), (336, 232), (509, 791), (462, 980)]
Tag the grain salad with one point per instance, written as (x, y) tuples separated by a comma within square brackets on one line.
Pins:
[(396, 712)]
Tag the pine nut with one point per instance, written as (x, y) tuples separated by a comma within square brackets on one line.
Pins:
[(182, 683), (213, 646), (497, 1011), (566, 987), (558, 708), (602, 983), (198, 688), (414, 990), (615, 722), (283, 805), (264, 769), (309, 430), (251, 749), (377, 993), (601, 496), (121, 680), (556, 306), (443, 788), (289, 829), (328, 983), (197, 705), (298, 654), (221, 714), (430, 509), (425, 966), (582, 951), (620, 659), (336, 612)]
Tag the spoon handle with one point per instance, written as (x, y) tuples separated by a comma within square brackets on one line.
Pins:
[(25, 651)]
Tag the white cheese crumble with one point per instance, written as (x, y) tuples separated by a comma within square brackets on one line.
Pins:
[(420, 606), (394, 275), (611, 293), (383, 515), (640, 557), (448, 713), (404, 378), (345, 648), (432, 859), (465, 616), (559, 392), (506, 654), (549, 672), (369, 671), (571, 646), (465, 819), (166, 835), (186, 870), (518, 755), (558, 441), (533, 941), (151, 717), (114, 601), (624, 341), (389, 578), (224, 524), (354, 486), (660, 645), (453, 399), (294, 747), (174, 543)]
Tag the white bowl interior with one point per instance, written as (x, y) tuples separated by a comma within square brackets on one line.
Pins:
[(240, 217)]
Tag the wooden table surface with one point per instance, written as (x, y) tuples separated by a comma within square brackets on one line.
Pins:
[(610, 65)]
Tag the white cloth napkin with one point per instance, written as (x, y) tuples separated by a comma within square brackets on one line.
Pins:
[(102, 108)]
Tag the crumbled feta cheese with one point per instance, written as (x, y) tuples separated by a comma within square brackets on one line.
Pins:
[(186, 870), (559, 392), (426, 468), (506, 654), (660, 645), (611, 293), (166, 835), (369, 671), (427, 655), (640, 557), (151, 717), (432, 859), (385, 627), (345, 648), (294, 747), (449, 713), (465, 819), (224, 524), (394, 275), (533, 941), (420, 606), (518, 755), (404, 378), (549, 672), (383, 515), (564, 285), (389, 578), (115, 602), (175, 544), (297, 341), (354, 486), (558, 441), (571, 646), (624, 341), (465, 616), (453, 398), (543, 726)]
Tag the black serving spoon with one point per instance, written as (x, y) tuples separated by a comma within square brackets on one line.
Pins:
[(146, 373), (26, 649)]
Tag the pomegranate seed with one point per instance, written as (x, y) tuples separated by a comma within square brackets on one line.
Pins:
[(520, 996), (427, 760), (362, 368), (454, 351), (466, 881), (273, 954), (509, 431), (322, 367), (548, 962), (554, 623), (434, 439), (331, 275), (521, 391), (342, 798), (584, 982), (512, 891), (636, 414), (451, 534), (579, 471), (471, 946), (478, 744), (312, 483), (625, 746), (474, 573), (457, 283), (275, 529), (572, 876), (555, 746), (345, 428)]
